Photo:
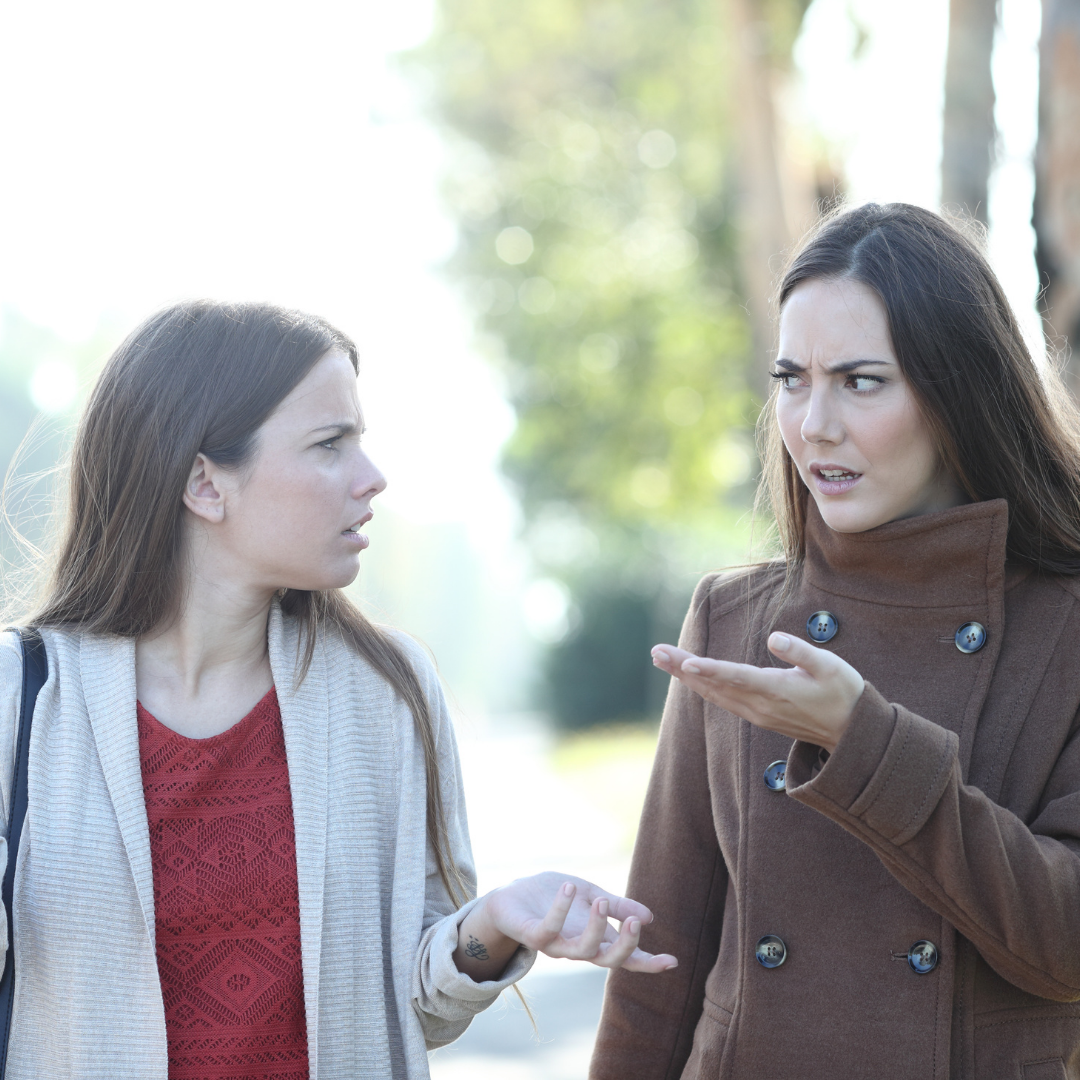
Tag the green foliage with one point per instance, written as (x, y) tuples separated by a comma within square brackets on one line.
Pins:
[(591, 176), (591, 184)]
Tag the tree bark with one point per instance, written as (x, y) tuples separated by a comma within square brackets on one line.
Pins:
[(1057, 179), (763, 227), (968, 130)]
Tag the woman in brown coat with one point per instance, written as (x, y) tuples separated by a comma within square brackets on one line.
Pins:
[(862, 835)]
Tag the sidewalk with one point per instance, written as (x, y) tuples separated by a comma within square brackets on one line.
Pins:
[(524, 816)]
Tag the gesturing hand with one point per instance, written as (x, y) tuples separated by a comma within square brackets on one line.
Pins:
[(812, 701), (561, 916)]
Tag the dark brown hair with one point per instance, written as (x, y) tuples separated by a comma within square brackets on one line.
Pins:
[(200, 377), (1002, 430)]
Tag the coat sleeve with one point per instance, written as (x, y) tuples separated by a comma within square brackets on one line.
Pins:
[(1011, 888), (444, 998), (678, 872)]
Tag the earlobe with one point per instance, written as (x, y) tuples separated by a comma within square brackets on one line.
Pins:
[(201, 492)]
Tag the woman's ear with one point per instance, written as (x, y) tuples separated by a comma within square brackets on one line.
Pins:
[(203, 494)]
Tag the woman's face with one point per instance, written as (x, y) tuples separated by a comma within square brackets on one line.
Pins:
[(848, 416), (291, 519)]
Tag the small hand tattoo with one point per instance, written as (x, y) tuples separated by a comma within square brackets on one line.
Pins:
[(476, 950)]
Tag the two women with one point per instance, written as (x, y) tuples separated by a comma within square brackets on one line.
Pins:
[(862, 835), (245, 851)]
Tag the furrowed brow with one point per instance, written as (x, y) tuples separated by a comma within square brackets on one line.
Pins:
[(784, 364), (341, 428)]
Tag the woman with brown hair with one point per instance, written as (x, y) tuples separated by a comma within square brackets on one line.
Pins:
[(862, 834), (245, 851)]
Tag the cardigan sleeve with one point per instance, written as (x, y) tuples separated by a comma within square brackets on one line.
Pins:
[(10, 693), (678, 872), (1011, 888), (444, 998)]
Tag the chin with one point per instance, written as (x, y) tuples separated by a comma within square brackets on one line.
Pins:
[(851, 518), (323, 579)]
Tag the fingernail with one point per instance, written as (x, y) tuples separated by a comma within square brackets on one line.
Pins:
[(568, 889), (602, 907), (691, 669), (660, 657), (635, 926), (672, 966), (780, 643)]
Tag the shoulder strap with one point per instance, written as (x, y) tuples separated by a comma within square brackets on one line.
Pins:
[(35, 672)]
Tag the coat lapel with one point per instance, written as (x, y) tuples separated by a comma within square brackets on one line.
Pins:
[(305, 717), (108, 681)]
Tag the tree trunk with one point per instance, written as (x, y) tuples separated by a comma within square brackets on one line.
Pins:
[(763, 227), (968, 130), (1057, 179)]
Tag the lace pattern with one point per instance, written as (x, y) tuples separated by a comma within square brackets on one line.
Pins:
[(225, 899)]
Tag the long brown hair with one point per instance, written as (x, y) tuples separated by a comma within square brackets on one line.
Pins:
[(1001, 429), (201, 377)]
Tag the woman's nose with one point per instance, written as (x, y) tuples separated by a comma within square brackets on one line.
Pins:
[(369, 479), (821, 424)]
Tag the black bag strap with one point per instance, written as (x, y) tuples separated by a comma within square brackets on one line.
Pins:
[(35, 672)]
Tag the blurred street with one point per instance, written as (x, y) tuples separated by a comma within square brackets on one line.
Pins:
[(536, 803)]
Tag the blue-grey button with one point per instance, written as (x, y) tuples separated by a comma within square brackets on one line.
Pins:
[(774, 775), (822, 626), (971, 637), (922, 957), (771, 952)]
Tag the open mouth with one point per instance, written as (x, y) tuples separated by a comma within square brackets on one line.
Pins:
[(834, 479)]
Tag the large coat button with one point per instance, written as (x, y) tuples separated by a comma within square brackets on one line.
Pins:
[(971, 637), (774, 775), (771, 952), (922, 957), (822, 626)]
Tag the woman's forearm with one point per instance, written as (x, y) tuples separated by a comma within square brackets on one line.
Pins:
[(483, 951)]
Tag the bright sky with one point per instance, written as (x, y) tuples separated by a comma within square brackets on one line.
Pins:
[(246, 150), (884, 109), (264, 150)]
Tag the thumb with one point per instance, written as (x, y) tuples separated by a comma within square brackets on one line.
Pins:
[(814, 661)]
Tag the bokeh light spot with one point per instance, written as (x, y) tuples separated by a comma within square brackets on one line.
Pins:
[(546, 607), (650, 486), (537, 295), (53, 386), (514, 245), (599, 353), (684, 406), (656, 149)]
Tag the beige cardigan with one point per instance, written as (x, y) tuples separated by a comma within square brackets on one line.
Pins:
[(377, 927)]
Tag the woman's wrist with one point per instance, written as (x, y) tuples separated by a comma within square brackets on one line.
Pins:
[(483, 950)]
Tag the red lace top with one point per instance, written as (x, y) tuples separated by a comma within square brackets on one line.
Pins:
[(225, 899)]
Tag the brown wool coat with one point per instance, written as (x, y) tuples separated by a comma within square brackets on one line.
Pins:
[(951, 815)]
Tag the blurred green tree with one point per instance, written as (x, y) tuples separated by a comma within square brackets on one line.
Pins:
[(593, 173)]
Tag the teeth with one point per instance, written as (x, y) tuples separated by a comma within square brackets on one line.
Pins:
[(836, 474)]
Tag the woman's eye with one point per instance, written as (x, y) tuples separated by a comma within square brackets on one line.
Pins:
[(864, 382), (331, 444), (787, 379)]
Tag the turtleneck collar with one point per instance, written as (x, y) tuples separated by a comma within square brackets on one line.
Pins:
[(946, 559)]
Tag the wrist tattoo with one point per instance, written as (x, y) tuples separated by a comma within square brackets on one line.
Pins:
[(476, 950)]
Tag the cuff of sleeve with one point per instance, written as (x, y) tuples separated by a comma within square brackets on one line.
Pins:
[(447, 979), (889, 769)]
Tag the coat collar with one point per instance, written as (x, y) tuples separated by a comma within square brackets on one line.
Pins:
[(947, 559)]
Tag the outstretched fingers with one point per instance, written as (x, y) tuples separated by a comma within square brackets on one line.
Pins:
[(553, 922)]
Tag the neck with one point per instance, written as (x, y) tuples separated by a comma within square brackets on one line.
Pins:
[(206, 669)]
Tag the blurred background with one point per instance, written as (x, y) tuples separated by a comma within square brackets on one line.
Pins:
[(552, 227)]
